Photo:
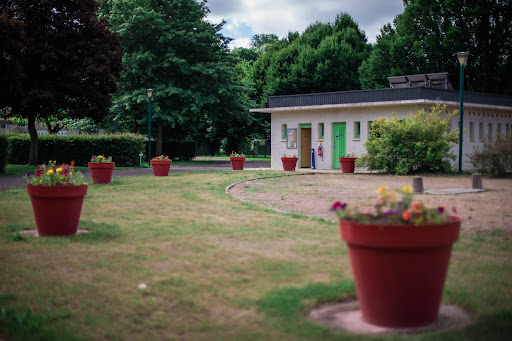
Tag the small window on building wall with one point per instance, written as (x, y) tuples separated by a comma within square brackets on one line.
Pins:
[(498, 130), (489, 132), (507, 130), (481, 131), (283, 132), (370, 130), (357, 130), (321, 131), (471, 131)]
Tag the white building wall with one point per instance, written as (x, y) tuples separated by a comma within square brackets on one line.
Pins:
[(293, 118)]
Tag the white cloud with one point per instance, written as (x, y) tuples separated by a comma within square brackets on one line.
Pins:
[(282, 16)]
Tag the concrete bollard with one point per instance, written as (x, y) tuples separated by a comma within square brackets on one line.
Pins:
[(417, 184), (477, 181)]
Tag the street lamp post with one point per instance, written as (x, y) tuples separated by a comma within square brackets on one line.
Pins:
[(150, 93), (463, 59)]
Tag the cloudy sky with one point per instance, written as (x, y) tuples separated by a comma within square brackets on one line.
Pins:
[(245, 18)]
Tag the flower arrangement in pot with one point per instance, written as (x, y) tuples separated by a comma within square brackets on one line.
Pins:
[(101, 168), (289, 162), (161, 165), (57, 193), (348, 162), (399, 255), (237, 160)]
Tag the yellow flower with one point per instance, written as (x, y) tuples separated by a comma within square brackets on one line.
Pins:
[(100, 156), (382, 189), (50, 172), (59, 170), (406, 189)]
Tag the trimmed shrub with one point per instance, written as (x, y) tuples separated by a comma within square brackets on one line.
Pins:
[(4, 151), (124, 148), (419, 143), (494, 157)]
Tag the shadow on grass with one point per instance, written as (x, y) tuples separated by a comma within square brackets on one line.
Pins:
[(286, 310)]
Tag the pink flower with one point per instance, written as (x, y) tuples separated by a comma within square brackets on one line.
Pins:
[(406, 215), (338, 205)]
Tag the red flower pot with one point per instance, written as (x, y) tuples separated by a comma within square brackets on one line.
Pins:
[(57, 208), (399, 270), (101, 172), (289, 163), (237, 163), (161, 167), (348, 164)]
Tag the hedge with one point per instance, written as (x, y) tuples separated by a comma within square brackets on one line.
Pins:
[(124, 148), (4, 151)]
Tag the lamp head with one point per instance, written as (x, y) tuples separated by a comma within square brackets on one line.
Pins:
[(150, 92), (463, 58)]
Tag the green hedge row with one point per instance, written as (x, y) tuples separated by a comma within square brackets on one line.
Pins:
[(124, 148), (4, 151)]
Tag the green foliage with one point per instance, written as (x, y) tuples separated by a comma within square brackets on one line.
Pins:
[(424, 38), (124, 148), (5, 149), (196, 91), (419, 143), (494, 157), (326, 57)]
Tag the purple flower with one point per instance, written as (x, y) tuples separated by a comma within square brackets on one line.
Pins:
[(440, 209), (83, 172), (28, 174), (338, 204)]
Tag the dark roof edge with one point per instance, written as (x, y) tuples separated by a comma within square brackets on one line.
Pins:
[(386, 95)]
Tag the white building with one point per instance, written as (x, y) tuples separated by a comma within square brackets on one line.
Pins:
[(340, 121)]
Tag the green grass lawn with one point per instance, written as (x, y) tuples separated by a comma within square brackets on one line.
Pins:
[(214, 268)]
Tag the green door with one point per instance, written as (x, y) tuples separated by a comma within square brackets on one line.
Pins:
[(339, 143)]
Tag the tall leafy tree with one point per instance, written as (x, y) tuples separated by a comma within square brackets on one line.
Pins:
[(58, 58), (170, 47), (424, 38), (326, 57)]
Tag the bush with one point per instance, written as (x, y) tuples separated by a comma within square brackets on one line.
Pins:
[(4, 151), (494, 157), (124, 148), (419, 143)]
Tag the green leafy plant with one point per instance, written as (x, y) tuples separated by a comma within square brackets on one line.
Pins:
[(350, 155), (417, 143), (55, 174), (100, 159), (494, 157), (390, 210)]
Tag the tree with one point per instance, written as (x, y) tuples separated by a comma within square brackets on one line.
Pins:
[(424, 38), (61, 59), (326, 57), (170, 47)]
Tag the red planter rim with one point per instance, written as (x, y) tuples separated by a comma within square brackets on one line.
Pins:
[(58, 191), (400, 235), (101, 164)]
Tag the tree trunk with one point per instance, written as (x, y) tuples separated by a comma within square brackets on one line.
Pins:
[(33, 155), (159, 136)]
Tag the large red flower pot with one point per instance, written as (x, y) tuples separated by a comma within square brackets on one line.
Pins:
[(348, 164), (237, 163), (101, 172), (399, 270), (57, 208), (161, 167), (289, 163)]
